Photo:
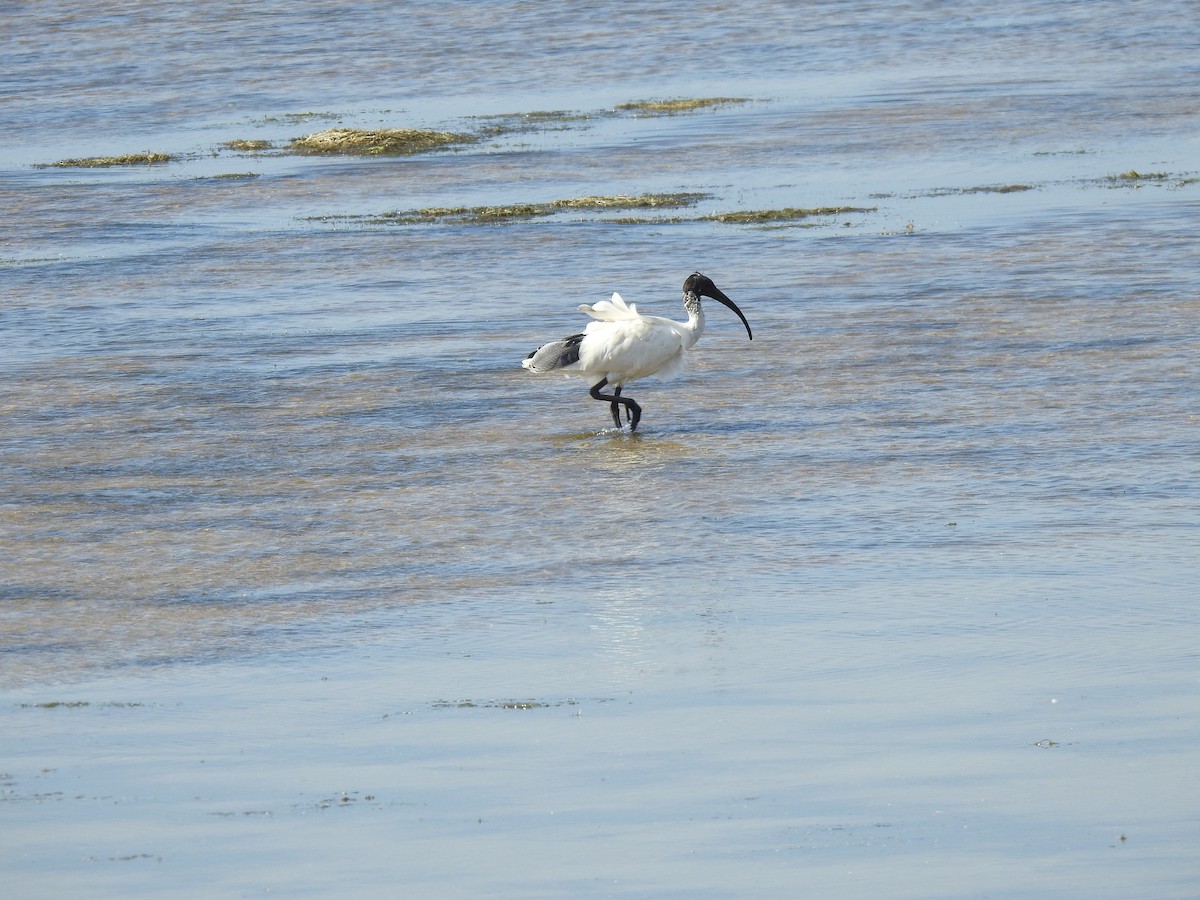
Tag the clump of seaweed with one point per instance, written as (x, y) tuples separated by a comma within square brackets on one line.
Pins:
[(1000, 189), (247, 145), (531, 703), (1079, 152), (981, 189), (561, 120), (379, 142), (674, 107), (1135, 176), (77, 704), (297, 118), (477, 214), (483, 215), (545, 120), (1135, 179), (100, 162), (627, 201), (786, 214), (486, 215)]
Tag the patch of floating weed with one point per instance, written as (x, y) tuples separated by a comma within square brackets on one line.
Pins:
[(250, 146), (234, 176), (450, 214), (648, 220), (674, 107), (494, 704), (485, 215), (521, 123), (297, 118), (76, 704), (100, 162), (627, 201), (561, 120), (1000, 189), (128, 857), (1134, 176), (981, 189), (1136, 179), (57, 704), (787, 214), (10, 262), (531, 703), (379, 142), (550, 115)]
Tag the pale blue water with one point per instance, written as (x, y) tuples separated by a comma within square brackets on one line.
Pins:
[(307, 586)]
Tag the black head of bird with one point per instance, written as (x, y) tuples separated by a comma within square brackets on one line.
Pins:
[(702, 286)]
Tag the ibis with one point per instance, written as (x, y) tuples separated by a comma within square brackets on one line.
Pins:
[(621, 345)]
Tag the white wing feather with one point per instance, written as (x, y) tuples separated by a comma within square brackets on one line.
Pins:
[(632, 348), (619, 345), (614, 310)]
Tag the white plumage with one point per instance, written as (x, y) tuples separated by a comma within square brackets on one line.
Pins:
[(621, 345), (630, 346)]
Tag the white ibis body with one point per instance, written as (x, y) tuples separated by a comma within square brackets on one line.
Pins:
[(621, 345)]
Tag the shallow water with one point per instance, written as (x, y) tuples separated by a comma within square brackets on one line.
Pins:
[(305, 578)]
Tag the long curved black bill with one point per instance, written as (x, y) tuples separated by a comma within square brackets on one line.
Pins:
[(711, 290)]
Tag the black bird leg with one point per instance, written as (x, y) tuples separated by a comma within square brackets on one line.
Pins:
[(632, 410), (630, 406)]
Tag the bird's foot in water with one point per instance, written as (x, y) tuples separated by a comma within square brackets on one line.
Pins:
[(634, 412)]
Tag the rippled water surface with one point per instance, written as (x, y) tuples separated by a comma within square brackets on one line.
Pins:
[(307, 583)]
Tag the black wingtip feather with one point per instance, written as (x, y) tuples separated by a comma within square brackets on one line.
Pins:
[(570, 352)]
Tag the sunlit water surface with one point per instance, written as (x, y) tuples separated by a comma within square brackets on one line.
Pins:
[(306, 583)]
